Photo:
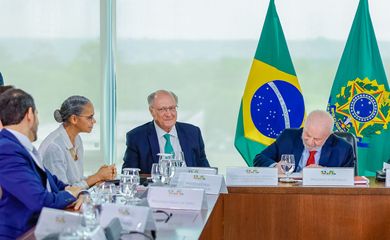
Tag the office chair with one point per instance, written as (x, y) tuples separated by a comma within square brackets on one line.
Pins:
[(350, 138)]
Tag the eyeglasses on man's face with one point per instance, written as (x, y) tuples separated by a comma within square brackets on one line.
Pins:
[(171, 109)]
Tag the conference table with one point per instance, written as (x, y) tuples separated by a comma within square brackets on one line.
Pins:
[(293, 211), (286, 211), (182, 224)]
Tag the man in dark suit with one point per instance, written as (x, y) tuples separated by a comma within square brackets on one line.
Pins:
[(313, 146), (163, 135), (26, 187)]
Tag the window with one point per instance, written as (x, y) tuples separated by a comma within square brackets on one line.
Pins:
[(51, 49)]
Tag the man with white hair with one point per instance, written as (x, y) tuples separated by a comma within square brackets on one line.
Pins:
[(315, 145), (163, 135)]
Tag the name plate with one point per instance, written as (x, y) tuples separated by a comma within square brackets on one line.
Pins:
[(55, 221), (251, 176), (199, 170), (387, 177), (328, 177), (212, 184), (132, 218), (177, 198)]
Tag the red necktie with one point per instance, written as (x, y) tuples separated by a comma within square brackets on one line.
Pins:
[(311, 159)]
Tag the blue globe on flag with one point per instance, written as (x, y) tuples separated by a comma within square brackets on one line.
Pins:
[(363, 107), (275, 106)]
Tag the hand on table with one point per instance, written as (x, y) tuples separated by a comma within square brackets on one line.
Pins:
[(107, 172)]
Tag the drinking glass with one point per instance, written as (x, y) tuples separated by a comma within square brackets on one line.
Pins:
[(128, 185), (287, 163), (155, 173), (130, 171), (108, 191), (166, 167), (178, 159), (90, 214), (95, 195)]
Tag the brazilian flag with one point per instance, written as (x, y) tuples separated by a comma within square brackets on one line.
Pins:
[(272, 99), (359, 100)]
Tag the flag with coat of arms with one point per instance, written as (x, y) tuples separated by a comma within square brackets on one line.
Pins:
[(272, 100), (359, 100)]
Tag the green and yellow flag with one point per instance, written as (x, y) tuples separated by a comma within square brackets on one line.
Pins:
[(272, 99), (359, 100)]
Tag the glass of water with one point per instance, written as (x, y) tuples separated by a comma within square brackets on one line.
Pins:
[(178, 159), (107, 192), (128, 185), (90, 214), (287, 163), (130, 171), (167, 169), (155, 173)]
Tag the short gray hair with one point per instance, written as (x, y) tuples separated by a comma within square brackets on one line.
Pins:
[(153, 95), (73, 105)]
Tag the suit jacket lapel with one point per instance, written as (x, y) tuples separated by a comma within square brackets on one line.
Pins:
[(184, 146), (153, 142)]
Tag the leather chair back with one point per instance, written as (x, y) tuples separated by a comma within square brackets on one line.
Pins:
[(351, 139)]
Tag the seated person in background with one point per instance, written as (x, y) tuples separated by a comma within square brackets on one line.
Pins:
[(163, 135), (3, 89), (315, 145), (26, 186), (62, 150)]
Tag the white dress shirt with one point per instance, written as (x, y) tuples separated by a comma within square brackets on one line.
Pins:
[(57, 158), (161, 140)]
